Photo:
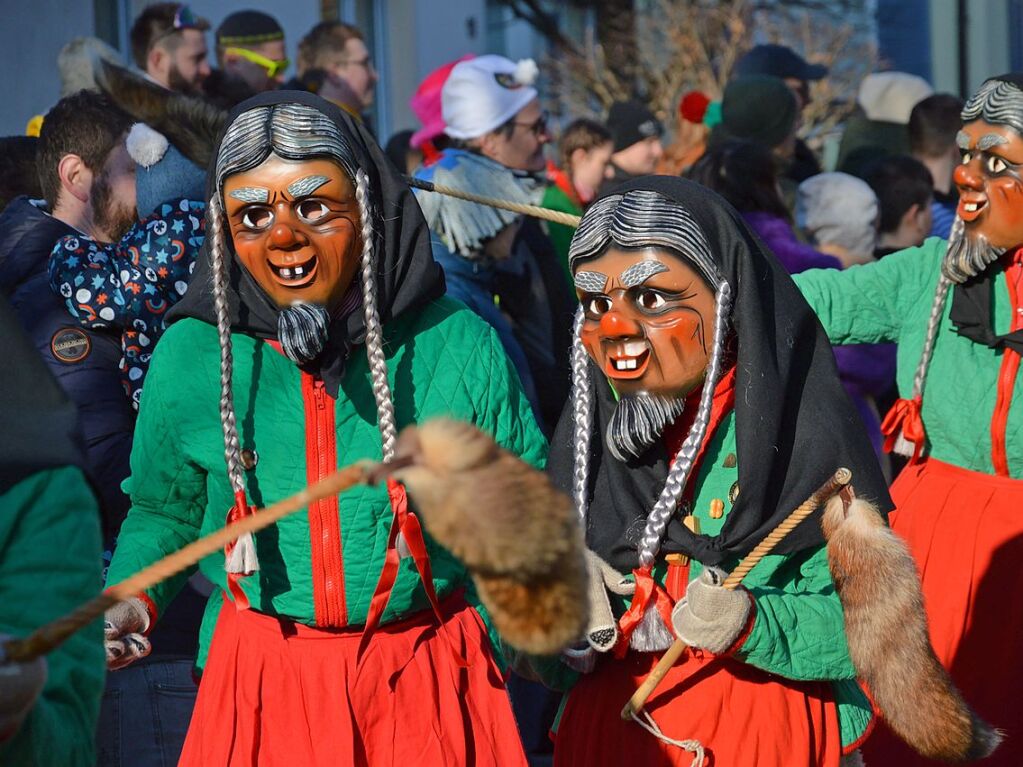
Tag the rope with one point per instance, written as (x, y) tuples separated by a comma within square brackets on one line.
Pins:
[(836, 482), (536, 211), (693, 746), (53, 634)]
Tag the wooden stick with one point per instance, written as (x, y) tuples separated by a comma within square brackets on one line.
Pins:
[(835, 483), (535, 211), (53, 634)]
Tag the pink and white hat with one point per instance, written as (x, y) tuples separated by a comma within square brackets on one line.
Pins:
[(484, 93), (425, 103)]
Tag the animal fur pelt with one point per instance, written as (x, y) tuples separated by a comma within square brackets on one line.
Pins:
[(519, 537), (886, 627), (189, 123)]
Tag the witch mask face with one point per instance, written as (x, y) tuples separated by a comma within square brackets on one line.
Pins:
[(649, 320), (990, 183), (296, 228)]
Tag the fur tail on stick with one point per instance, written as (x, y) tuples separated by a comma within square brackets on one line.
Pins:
[(886, 627)]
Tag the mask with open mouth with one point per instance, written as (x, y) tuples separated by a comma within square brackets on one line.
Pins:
[(296, 228)]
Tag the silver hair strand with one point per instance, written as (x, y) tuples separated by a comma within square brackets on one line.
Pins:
[(678, 475), (997, 102), (937, 312), (582, 411), (232, 445), (374, 332)]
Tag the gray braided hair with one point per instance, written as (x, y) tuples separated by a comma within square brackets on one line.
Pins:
[(232, 446), (582, 411), (374, 333)]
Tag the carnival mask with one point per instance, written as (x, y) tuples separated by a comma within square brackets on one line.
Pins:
[(990, 183), (296, 229), (649, 321)]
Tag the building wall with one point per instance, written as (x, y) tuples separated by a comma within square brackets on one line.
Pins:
[(31, 36)]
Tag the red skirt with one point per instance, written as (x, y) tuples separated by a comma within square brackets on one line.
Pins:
[(965, 531), (743, 717), (276, 692)]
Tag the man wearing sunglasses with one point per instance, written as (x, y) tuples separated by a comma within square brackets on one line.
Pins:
[(250, 56), (168, 43), (334, 62)]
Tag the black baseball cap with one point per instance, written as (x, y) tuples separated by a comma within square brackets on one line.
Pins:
[(778, 61)]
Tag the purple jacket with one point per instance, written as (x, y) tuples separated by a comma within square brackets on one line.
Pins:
[(866, 370)]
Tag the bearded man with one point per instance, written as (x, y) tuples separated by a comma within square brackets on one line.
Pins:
[(956, 312), (324, 333), (88, 182), (705, 407), (168, 43)]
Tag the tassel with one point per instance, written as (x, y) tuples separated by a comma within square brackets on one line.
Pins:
[(240, 557), (243, 559), (650, 634), (903, 428)]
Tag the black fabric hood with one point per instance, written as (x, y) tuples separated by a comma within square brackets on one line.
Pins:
[(407, 276), (794, 423)]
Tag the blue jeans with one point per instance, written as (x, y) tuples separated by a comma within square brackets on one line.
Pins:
[(145, 714)]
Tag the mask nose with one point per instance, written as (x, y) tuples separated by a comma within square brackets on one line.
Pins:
[(283, 236), (614, 324), (966, 175)]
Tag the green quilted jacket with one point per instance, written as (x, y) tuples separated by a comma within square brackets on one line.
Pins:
[(49, 522), (798, 631), (890, 301), (315, 568)]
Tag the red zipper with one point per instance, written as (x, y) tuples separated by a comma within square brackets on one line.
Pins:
[(324, 515), (1007, 373)]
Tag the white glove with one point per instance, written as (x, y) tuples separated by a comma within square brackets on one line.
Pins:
[(20, 685), (123, 637), (711, 617)]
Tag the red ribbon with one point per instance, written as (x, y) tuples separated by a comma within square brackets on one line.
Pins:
[(904, 418), (240, 509), (647, 591), (407, 523)]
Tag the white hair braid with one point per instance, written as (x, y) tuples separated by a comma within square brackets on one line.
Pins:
[(678, 475), (232, 446), (937, 311), (374, 333), (582, 411)]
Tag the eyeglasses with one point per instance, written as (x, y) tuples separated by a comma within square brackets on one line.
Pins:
[(366, 63), (538, 127), (273, 67)]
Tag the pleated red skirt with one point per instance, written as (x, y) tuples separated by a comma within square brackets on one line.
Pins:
[(742, 716), (276, 693), (965, 531)]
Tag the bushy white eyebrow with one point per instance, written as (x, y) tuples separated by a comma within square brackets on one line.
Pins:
[(591, 282), (639, 273), (250, 194), (963, 140), (989, 140), (306, 185)]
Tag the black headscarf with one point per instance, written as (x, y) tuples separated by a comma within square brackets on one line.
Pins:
[(407, 275), (794, 423), (38, 422)]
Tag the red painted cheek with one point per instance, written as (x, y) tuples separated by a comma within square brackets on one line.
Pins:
[(1009, 193)]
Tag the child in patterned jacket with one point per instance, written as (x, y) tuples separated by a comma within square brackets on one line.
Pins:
[(133, 283)]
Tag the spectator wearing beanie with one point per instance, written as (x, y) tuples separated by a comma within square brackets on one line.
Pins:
[(838, 214), (797, 73), (762, 110), (636, 133), (500, 264), (884, 102), (250, 56)]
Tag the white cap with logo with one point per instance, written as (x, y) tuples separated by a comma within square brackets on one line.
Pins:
[(483, 93)]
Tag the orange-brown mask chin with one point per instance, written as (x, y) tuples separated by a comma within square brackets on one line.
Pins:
[(296, 228), (650, 327)]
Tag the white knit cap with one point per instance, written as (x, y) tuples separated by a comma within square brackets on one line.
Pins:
[(838, 209), (483, 93), (891, 96)]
